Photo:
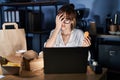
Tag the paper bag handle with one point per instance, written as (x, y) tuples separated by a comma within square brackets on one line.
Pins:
[(7, 24)]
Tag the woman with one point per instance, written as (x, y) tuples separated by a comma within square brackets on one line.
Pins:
[(65, 34)]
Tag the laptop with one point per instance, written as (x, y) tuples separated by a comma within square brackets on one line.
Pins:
[(59, 60)]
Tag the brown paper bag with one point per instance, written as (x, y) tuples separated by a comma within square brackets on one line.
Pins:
[(12, 40)]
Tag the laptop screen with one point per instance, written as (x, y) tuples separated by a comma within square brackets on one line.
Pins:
[(65, 60)]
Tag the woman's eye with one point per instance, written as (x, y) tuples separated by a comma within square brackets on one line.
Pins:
[(66, 21)]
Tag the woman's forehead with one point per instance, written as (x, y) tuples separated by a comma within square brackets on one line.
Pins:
[(66, 15)]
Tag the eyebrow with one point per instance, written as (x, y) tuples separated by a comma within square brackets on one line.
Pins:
[(68, 18)]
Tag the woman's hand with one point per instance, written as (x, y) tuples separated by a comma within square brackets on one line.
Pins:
[(86, 41), (59, 20)]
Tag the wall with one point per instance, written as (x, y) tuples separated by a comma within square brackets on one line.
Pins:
[(98, 8)]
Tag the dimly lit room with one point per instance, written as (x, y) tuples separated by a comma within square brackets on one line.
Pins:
[(59, 39)]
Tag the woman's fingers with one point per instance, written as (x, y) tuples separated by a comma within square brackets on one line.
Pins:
[(59, 20), (61, 16), (86, 41)]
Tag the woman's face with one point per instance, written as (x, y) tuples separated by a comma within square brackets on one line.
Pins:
[(66, 25)]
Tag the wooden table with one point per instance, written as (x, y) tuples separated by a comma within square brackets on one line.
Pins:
[(39, 75)]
